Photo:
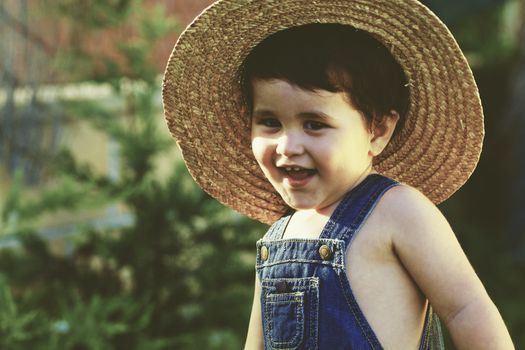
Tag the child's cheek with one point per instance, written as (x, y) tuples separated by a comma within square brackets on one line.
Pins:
[(260, 150), (263, 150)]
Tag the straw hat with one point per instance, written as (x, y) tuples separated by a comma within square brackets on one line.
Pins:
[(436, 151)]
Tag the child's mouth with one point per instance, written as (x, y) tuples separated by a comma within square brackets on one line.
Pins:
[(297, 176)]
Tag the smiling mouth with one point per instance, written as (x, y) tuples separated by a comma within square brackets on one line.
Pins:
[(297, 175)]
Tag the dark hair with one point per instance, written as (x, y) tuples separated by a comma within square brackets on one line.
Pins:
[(332, 57)]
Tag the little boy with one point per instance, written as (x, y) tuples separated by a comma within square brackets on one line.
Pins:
[(293, 112)]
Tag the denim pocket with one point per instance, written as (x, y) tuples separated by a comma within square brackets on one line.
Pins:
[(285, 319), (290, 310)]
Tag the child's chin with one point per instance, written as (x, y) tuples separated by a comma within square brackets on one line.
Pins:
[(297, 200), (300, 205)]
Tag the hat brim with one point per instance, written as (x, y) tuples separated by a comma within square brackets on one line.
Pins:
[(435, 152)]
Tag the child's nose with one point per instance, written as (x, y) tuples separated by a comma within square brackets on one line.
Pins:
[(289, 144)]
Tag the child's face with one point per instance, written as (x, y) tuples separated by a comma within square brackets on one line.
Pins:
[(313, 146)]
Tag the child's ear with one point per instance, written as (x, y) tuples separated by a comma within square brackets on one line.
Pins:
[(382, 133)]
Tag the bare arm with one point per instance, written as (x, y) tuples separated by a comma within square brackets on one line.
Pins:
[(481, 321), (254, 339), (429, 250)]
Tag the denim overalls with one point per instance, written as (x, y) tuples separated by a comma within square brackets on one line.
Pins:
[(306, 299)]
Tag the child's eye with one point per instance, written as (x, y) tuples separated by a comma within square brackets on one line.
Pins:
[(269, 122), (314, 125)]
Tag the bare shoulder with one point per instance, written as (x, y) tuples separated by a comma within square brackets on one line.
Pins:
[(405, 194), (428, 248), (406, 210), (420, 233)]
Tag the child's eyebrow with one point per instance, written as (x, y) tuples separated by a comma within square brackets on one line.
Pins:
[(304, 115), (263, 113), (315, 115)]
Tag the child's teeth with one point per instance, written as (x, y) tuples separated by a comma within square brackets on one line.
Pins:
[(292, 169)]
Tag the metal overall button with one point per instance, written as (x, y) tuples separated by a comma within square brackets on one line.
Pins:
[(264, 253), (325, 252)]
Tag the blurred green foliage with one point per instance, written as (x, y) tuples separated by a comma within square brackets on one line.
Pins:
[(18, 329), (181, 276)]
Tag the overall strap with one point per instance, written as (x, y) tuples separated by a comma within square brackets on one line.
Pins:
[(355, 208), (276, 229)]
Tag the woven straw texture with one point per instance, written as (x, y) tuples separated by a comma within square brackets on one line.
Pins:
[(436, 152)]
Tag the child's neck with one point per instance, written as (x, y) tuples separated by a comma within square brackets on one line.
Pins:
[(309, 223)]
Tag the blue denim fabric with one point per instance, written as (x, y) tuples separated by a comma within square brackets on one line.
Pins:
[(306, 301)]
